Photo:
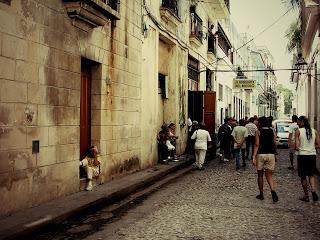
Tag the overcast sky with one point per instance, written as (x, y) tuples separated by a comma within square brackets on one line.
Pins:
[(252, 16)]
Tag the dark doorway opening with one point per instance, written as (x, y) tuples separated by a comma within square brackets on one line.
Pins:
[(85, 109), (202, 108)]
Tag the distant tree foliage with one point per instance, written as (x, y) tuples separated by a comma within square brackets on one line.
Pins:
[(288, 96), (293, 33), (293, 3)]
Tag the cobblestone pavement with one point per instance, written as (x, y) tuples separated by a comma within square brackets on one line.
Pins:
[(218, 203)]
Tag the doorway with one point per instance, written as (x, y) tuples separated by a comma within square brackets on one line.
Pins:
[(85, 107)]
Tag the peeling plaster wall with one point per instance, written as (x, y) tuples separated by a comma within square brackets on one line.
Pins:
[(40, 76), (151, 101)]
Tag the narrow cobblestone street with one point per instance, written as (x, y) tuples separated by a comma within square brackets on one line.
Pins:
[(218, 203)]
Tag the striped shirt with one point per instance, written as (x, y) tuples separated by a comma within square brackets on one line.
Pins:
[(252, 128)]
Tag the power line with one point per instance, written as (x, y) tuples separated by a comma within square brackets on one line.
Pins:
[(257, 70), (202, 1), (260, 33)]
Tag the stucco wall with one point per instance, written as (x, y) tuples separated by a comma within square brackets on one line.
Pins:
[(40, 69)]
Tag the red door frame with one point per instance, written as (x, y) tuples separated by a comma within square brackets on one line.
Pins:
[(85, 108), (209, 111)]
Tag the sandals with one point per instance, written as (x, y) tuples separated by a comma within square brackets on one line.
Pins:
[(305, 199), (274, 196), (260, 197), (315, 196)]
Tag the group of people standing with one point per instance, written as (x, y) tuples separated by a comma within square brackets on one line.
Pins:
[(252, 139), (258, 137), (255, 136), (237, 138)]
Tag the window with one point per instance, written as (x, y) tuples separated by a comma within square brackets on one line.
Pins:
[(195, 26), (112, 3), (172, 6), (224, 42), (193, 74), (163, 85), (220, 92), (231, 56), (208, 79), (211, 43)]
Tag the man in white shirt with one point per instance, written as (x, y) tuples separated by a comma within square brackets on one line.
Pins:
[(201, 137), (291, 139)]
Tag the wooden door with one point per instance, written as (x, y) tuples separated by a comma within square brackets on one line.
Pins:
[(209, 111), (85, 110)]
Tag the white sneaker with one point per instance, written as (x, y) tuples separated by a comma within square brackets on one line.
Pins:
[(226, 160), (89, 186)]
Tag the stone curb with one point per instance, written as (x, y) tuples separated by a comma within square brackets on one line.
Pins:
[(58, 210)]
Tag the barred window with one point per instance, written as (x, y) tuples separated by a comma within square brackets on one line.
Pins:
[(193, 69), (172, 6)]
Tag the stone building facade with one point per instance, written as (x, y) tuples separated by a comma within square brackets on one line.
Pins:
[(70, 77), (96, 72)]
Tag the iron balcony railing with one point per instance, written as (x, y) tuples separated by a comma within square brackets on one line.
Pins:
[(172, 6), (196, 26)]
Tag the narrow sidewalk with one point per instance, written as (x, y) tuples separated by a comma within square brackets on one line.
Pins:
[(56, 211)]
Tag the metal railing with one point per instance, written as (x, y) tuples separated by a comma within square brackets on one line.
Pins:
[(196, 26), (172, 6)]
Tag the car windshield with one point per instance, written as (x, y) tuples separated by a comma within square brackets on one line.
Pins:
[(283, 127)]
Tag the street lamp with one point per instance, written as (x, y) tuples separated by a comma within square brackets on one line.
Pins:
[(300, 63), (240, 74)]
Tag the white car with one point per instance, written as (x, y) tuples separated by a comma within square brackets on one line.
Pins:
[(281, 128)]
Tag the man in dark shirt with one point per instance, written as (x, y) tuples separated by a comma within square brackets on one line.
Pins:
[(224, 136), (264, 156)]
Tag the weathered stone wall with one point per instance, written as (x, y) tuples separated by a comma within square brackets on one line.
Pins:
[(40, 76)]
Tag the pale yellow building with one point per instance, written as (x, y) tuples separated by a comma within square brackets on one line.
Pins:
[(70, 77), (95, 72)]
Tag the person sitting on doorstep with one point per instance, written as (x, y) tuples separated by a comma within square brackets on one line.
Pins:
[(91, 164), (162, 138), (172, 139)]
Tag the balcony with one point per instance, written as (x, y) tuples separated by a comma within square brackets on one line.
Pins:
[(169, 12), (212, 48), (224, 43), (195, 29), (220, 8), (88, 14), (171, 6)]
